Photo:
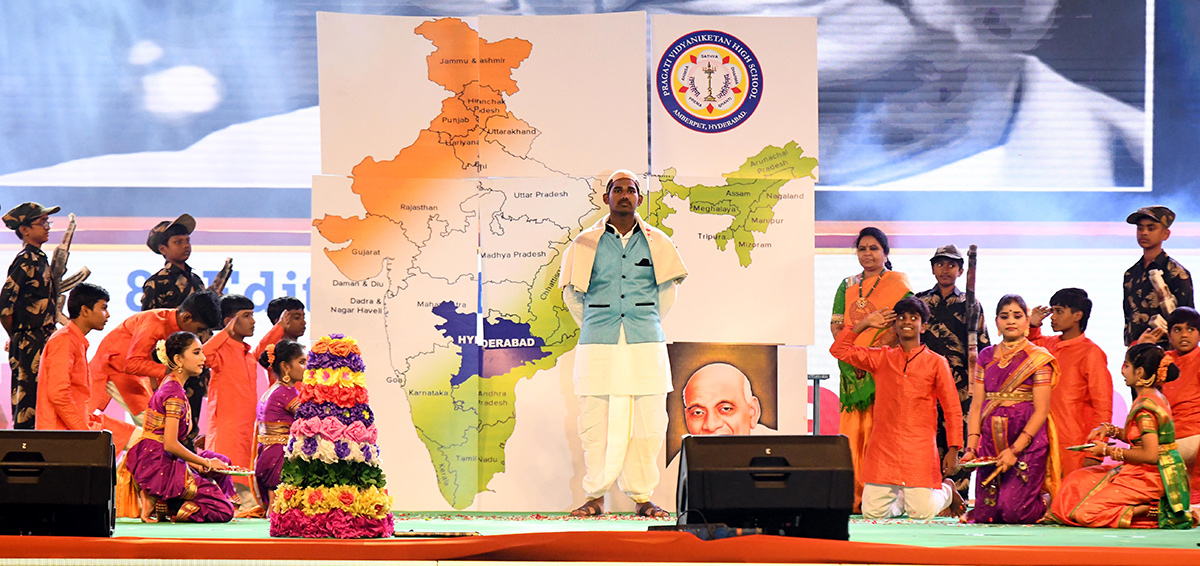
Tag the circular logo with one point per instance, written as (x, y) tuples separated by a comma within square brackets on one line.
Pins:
[(709, 81)]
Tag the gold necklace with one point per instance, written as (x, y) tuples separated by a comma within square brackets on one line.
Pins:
[(1007, 353), (862, 301)]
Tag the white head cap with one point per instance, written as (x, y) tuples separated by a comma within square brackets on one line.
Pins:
[(622, 174)]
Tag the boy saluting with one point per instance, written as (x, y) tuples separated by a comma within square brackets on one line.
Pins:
[(1082, 400), (900, 466)]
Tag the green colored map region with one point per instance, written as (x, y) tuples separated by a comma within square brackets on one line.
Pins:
[(465, 427), (653, 210), (749, 196)]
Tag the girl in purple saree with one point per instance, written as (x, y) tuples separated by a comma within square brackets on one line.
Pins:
[(1010, 405), (178, 484), (276, 412)]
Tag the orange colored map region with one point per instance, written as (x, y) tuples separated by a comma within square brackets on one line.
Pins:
[(430, 156), (499, 163), (466, 148), (371, 240), (461, 116), (455, 119), (513, 134), (462, 57), (388, 196)]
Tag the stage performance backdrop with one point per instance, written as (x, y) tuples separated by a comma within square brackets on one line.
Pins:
[(941, 121), (460, 156)]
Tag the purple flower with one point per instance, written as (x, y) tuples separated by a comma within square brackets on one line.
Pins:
[(332, 361), (310, 445), (360, 412), (341, 449), (367, 452), (337, 336)]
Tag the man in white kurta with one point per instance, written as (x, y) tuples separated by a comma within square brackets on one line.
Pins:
[(618, 280)]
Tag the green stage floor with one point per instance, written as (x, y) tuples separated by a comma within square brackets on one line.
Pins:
[(935, 533)]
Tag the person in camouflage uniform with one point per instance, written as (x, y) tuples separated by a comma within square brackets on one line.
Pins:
[(946, 334), (28, 304), (1141, 302), (175, 281)]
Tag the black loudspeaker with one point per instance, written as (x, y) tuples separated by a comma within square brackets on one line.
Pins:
[(57, 482), (784, 485)]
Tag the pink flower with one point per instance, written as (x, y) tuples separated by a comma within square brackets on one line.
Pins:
[(332, 428), (306, 427), (357, 432)]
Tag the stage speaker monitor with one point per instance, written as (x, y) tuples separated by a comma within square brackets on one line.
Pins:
[(785, 485), (57, 482)]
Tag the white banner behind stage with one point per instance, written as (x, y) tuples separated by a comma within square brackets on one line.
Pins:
[(439, 231)]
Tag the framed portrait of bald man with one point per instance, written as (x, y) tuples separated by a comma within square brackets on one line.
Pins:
[(726, 389)]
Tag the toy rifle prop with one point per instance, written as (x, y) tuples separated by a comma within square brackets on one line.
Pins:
[(58, 270), (1166, 299), (218, 283), (973, 314)]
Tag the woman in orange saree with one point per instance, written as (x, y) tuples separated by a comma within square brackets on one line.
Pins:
[(876, 288), (1148, 487)]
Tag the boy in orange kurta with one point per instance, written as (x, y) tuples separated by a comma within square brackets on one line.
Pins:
[(1082, 400), (1184, 393), (900, 466), (123, 362), (64, 382), (64, 377), (287, 317), (232, 389)]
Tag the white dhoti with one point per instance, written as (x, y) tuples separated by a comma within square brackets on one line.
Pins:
[(622, 435), (880, 501), (622, 392)]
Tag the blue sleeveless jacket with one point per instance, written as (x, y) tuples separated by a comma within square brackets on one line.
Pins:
[(622, 291)]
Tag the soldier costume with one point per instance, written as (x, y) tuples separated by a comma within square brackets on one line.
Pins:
[(172, 284), (29, 297), (1141, 302), (946, 334)]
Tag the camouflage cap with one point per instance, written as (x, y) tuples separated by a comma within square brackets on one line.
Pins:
[(1157, 213), (159, 230), (25, 213), (949, 251)]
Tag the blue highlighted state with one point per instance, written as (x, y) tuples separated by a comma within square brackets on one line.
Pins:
[(460, 327), (507, 345)]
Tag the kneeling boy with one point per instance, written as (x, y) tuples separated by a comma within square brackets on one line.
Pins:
[(900, 466)]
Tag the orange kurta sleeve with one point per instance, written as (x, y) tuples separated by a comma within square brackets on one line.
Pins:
[(272, 336), (1036, 336), (147, 332), (846, 350), (215, 365), (1100, 387)]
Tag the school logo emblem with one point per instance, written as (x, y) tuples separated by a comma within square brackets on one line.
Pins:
[(709, 81)]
